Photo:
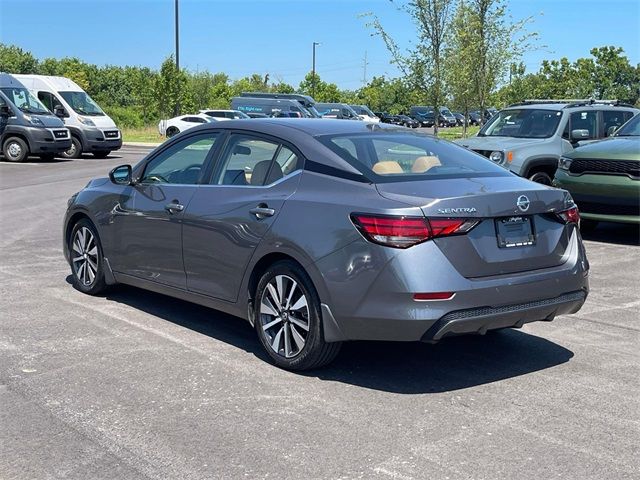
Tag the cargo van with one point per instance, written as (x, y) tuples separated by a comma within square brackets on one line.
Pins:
[(305, 100), (92, 131), (26, 126), (337, 110), (268, 106)]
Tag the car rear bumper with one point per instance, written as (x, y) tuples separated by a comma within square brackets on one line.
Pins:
[(371, 302)]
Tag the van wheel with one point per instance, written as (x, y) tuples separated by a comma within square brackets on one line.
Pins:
[(288, 319), (15, 150), (75, 151), (102, 154), (541, 177)]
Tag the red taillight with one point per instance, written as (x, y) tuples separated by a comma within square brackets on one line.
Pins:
[(403, 232), (423, 297), (570, 216)]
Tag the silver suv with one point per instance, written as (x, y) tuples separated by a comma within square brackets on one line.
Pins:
[(528, 138)]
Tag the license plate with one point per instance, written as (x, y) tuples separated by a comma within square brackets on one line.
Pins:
[(515, 232)]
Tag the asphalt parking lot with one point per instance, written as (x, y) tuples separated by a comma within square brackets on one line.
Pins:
[(137, 385)]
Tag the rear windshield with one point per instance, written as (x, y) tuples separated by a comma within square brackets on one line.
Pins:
[(399, 156), (522, 123)]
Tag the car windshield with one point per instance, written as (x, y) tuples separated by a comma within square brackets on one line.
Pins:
[(403, 156), (313, 112), (446, 111), (362, 110), (522, 123), (25, 101), (239, 114), (82, 103), (630, 129)]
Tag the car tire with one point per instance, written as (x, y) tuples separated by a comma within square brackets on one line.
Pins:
[(172, 131), (15, 149), (102, 154), (588, 226), (541, 177), (86, 259), (288, 319), (75, 151)]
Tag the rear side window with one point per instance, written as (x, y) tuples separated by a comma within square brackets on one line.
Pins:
[(391, 157), (614, 118)]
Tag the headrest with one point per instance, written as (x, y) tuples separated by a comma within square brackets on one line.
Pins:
[(387, 167), (424, 163)]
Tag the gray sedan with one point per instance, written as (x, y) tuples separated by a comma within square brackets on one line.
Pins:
[(322, 231)]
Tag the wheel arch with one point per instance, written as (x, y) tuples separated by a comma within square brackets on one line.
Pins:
[(15, 134), (541, 164)]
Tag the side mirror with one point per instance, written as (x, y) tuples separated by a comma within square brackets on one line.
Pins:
[(579, 134), (611, 130), (121, 175), (5, 111), (59, 111)]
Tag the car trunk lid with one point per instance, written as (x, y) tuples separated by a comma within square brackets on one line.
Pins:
[(509, 238)]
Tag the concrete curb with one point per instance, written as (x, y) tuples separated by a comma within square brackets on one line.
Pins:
[(140, 144)]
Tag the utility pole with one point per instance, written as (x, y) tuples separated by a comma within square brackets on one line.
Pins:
[(313, 70), (177, 112), (364, 74)]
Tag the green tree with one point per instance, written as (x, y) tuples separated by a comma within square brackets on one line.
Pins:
[(170, 88), (423, 65), (324, 92), (15, 60)]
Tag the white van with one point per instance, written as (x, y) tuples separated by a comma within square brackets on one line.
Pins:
[(92, 131)]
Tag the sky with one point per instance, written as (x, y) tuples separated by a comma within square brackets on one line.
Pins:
[(241, 37)]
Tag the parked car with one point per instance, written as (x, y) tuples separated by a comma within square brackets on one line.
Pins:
[(92, 130), (460, 121), (604, 177), (475, 118), (529, 138), (268, 105), (355, 233), (449, 118), (176, 125), (337, 110), (26, 126), (225, 114), (385, 117), (365, 113), (486, 114), (407, 121)]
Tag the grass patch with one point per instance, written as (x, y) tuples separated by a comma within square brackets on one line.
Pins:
[(144, 134), (455, 133)]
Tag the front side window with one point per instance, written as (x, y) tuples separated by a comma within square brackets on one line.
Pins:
[(25, 100), (48, 100), (522, 123), (182, 163), (82, 103), (389, 157), (587, 120)]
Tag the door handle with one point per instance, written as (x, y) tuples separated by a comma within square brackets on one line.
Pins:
[(262, 211), (173, 207)]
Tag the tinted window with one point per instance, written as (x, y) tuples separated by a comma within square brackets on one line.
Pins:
[(614, 118), (181, 163), (387, 157), (194, 120), (524, 123), (287, 161), (247, 161), (586, 120)]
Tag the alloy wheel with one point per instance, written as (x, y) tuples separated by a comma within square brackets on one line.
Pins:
[(284, 316), (85, 256)]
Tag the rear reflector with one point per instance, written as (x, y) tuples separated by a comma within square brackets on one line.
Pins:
[(403, 232), (422, 297), (570, 216)]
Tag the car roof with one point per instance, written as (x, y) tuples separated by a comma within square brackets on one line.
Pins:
[(560, 105), (310, 126)]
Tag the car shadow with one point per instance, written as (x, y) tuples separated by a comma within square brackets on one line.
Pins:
[(617, 233), (406, 368)]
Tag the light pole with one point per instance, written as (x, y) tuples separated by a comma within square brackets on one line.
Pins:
[(177, 112), (313, 70)]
